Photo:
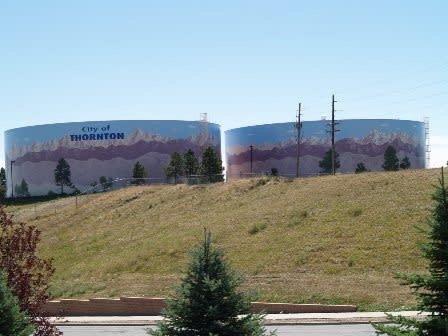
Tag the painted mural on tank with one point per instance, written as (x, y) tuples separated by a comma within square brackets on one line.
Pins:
[(275, 146), (100, 148)]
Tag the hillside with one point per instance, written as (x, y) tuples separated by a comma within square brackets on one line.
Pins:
[(316, 240)]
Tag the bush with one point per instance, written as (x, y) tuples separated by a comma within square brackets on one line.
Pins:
[(361, 168), (256, 228), (27, 274)]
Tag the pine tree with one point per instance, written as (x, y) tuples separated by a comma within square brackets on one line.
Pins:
[(326, 163), (360, 168), (211, 165), (2, 183), (208, 301), (176, 167), (21, 189), (12, 320), (431, 289), (138, 173), (405, 163), (62, 174), (391, 162), (191, 163), (2, 177)]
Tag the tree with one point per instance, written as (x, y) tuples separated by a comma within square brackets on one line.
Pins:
[(211, 165), (62, 174), (176, 167), (12, 320), (21, 189), (2, 183), (326, 163), (431, 289), (191, 163), (208, 301), (106, 183), (405, 163), (391, 162), (27, 274), (139, 172), (360, 168)]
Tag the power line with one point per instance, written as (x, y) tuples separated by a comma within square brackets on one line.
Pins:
[(395, 92)]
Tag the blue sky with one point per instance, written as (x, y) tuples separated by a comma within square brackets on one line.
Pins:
[(242, 62)]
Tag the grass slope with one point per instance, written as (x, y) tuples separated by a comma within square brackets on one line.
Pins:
[(316, 240)]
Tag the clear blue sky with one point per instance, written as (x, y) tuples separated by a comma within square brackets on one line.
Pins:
[(242, 62)]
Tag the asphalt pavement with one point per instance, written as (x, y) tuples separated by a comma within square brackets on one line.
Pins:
[(312, 330)]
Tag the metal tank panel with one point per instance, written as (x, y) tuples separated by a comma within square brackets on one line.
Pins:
[(100, 148), (359, 140)]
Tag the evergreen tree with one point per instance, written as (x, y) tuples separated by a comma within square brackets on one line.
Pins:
[(208, 301), (326, 163), (405, 163), (21, 189), (139, 172), (431, 289), (13, 322), (360, 168), (2, 183), (391, 162), (176, 167), (191, 163), (211, 165), (2, 177), (62, 174)]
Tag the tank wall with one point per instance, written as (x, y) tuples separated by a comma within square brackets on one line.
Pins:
[(275, 146), (100, 148)]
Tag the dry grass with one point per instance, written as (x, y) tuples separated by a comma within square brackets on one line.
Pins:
[(328, 239)]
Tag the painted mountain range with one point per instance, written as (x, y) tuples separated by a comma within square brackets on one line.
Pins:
[(369, 149)]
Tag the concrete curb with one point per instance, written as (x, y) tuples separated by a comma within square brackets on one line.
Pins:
[(270, 319)]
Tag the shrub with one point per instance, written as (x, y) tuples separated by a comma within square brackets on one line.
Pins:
[(27, 274), (361, 168), (256, 228)]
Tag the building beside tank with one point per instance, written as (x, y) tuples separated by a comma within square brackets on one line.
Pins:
[(99, 148), (265, 147)]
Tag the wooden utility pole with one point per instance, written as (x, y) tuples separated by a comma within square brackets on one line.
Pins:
[(333, 136), (298, 126)]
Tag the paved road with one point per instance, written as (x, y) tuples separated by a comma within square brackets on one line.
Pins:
[(314, 330)]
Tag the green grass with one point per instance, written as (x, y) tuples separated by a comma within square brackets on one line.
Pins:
[(327, 239)]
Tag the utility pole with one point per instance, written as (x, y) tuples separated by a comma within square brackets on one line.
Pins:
[(298, 126), (333, 131), (251, 157)]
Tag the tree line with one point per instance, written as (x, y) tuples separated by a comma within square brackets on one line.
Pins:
[(391, 162), (181, 165), (187, 165)]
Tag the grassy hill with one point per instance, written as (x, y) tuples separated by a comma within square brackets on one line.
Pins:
[(325, 239)]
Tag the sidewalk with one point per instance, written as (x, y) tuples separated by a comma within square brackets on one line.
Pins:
[(270, 319)]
